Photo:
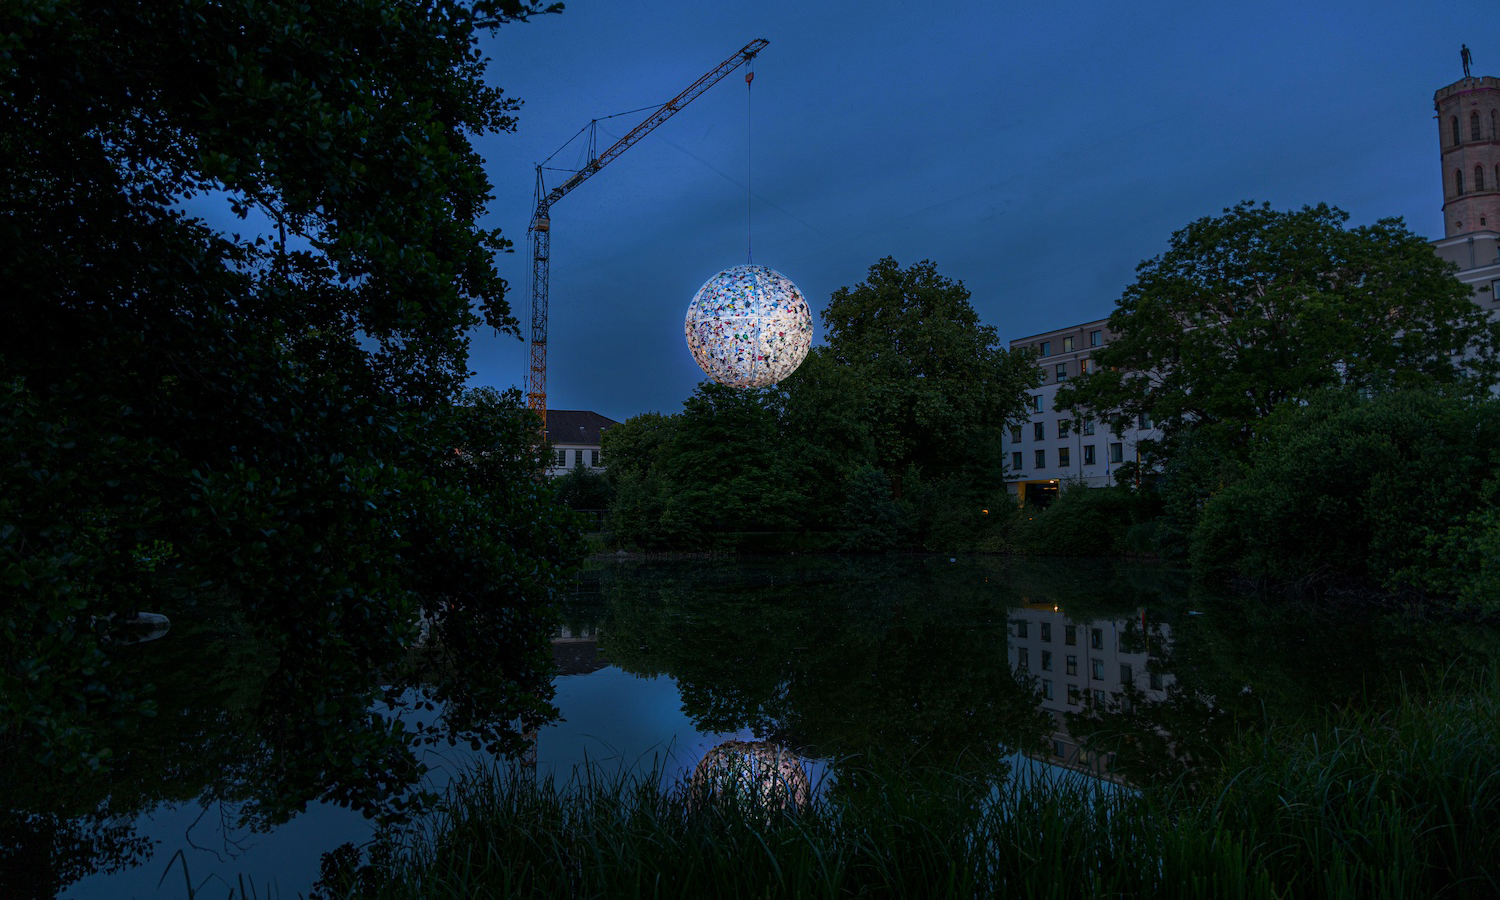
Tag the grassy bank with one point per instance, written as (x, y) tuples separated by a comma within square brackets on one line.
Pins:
[(1400, 803)]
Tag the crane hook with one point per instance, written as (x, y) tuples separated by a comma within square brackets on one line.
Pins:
[(749, 77)]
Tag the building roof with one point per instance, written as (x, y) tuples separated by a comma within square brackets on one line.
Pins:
[(576, 426)]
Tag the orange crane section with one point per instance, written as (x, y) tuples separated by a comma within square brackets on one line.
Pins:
[(541, 221)]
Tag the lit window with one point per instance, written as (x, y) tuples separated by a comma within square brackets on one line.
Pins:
[(1088, 454), (1085, 366), (1064, 457)]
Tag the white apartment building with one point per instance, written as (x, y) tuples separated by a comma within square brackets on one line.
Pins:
[(1052, 450)]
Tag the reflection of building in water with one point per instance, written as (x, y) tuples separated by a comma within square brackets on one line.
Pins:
[(576, 652), (1081, 665)]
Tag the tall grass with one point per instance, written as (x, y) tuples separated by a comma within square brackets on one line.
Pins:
[(1404, 803)]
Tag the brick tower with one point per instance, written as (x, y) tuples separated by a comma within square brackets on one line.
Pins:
[(1468, 114)]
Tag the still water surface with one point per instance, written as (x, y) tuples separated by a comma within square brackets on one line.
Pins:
[(1117, 671)]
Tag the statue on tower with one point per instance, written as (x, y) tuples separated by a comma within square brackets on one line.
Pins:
[(1466, 57)]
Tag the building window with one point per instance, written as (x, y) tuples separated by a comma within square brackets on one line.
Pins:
[(1127, 675), (1070, 635), (1020, 628), (1046, 660), (1088, 454), (1047, 632), (1144, 421), (1015, 434), (1015, 460), (1041, 459), (1096, 668), (1100, 697), (1116, 452), (1062, 371), (1096, 638), (1096, 338), (1086, 366), (1072, 665), (1074, 698), (1063, 426), (1458, 181), (1088, 426), (594, 458), (1067, 344), (1494, 129), (1474, 126), (1454, 121), (1045, 348), (1479, 180), (562, 457), (1064, 457), (1155, 681), (577, 457), (1039, 431), (1036, 402), (1047, 689), (1023, 659)]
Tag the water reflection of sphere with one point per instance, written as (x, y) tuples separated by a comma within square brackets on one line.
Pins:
[(749, 326), (757, 772)]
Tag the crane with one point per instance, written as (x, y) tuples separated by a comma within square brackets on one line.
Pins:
[(541, 222)]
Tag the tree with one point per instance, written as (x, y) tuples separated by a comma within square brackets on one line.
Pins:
[(271, 418), (1258, 307), (934, 380)]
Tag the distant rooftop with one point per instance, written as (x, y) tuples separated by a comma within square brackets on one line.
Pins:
[(576, 426)]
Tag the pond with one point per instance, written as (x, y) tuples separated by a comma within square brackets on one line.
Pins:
[(1117, 671)]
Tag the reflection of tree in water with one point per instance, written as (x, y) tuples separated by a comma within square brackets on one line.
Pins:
[(1243, 663), (220, 737), (878, 659)]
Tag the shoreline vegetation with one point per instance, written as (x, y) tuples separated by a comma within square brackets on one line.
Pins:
[(1394, 802)]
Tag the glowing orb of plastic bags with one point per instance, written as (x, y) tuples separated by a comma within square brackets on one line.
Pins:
[(759, 773), (748, 326)]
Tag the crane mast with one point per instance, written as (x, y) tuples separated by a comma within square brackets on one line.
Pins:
[(540, 230)]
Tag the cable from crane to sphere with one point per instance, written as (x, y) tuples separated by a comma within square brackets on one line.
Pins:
[(749, 327)]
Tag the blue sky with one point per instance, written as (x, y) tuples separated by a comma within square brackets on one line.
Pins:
[(1037, 152)]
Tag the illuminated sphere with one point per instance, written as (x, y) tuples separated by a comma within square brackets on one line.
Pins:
[(760, 773), (749, 327)]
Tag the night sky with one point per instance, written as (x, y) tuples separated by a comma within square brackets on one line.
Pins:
[(1037, 152)]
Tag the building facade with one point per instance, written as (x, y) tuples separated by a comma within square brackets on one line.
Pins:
[(1468, 117), (575, 438), (1052, 450)]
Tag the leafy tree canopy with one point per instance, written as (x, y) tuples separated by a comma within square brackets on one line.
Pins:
[(273, 419), (932, 376), (1256, 307)]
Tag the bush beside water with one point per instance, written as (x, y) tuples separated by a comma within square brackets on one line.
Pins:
[(1396, 803)]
